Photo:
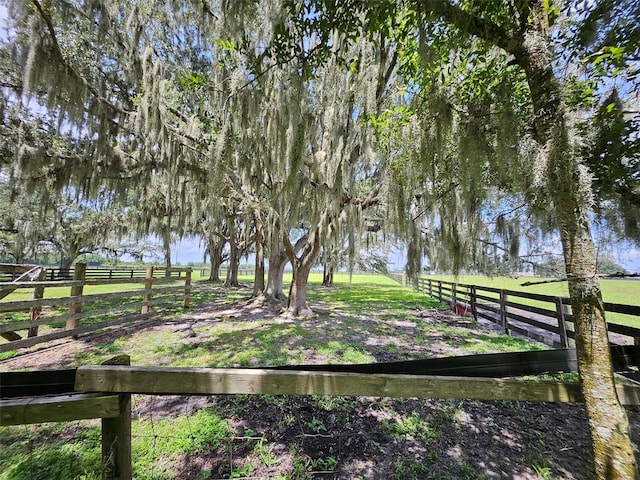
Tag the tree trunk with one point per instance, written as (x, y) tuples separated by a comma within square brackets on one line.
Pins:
[(19, 257), (232, 270), (215, 249), (234, 261), (327, 274), (277, 262), (613, 451), (166, 247), (298, 292), (258, 284), (301, 268), (66, 261), (569, 186)]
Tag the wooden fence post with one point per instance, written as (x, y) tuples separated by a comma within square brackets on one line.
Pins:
[(454, 297), (430, 288), (38, 293), (187, 288), (116, 435), (79, 273), (440, 290), (566, 310), (148, 285), (503, 311), (562, 328), (472, 301)]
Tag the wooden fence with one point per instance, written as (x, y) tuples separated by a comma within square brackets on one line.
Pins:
[(114, 272), (544, 318), (80, 313), (242, 272), (104, 391)]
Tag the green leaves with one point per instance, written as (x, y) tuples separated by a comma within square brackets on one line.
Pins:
[(193, 80)]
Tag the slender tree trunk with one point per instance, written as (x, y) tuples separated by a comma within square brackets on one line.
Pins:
[(234, 258), (613, 451), (570, 189), (166, 247), (234, 265), (277, 262), (327, 274), (258, 284)]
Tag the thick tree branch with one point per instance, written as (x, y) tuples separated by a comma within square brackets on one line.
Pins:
[(480, 27), (69, 70)]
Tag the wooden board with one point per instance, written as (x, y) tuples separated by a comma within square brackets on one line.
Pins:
[(41, 382), (216, 381), (28, 342), (61, 408), (513, 364), (46, 320)]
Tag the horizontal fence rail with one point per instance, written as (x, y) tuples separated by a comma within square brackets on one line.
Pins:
[(104, 273), (48, 319), (238, 381), (544, 318)]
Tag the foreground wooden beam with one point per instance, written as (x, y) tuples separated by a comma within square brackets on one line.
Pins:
[(58, 408), (116, 435), (215, 381)]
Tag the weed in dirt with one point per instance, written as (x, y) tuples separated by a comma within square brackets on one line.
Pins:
[(265, 453), (404, 469), (157, 442), (333, 403), (327, 464), (243, 471), (542, 466), (412, 426), (316, 426)]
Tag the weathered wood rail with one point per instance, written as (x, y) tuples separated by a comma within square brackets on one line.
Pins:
[(80, 313), (544, 318)]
